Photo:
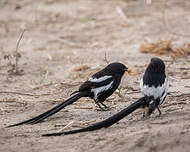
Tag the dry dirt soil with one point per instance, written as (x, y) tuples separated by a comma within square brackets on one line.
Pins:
[(65, 41)]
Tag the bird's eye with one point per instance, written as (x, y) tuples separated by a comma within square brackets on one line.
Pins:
[(125, 69)]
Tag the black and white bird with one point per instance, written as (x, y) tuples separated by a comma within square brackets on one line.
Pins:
[(154, 87), (98, 87)]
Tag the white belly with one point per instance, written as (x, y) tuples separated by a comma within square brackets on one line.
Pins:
[(156, 92)]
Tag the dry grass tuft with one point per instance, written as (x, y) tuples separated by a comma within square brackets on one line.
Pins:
[(82, 68), (83, 72), (164, 47)]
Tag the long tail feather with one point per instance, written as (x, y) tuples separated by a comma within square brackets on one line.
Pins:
[(105, 123), (51, 111)]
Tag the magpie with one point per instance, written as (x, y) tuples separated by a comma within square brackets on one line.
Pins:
[(98, 87), (154, 87)]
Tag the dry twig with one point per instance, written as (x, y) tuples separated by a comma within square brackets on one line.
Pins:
[(183, 94), (75, 124), (60, 130), (105, 58), (83, 107), (17, 55), (121, 14)]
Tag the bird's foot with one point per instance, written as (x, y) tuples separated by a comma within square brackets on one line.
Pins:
[(159, 116), (146, 114), (159, 111), (144, 117), (104, 109)]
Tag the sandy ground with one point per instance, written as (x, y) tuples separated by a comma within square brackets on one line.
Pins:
[(64, 43)]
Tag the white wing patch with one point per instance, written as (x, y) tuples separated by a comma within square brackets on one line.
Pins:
[(155, 92), (101, 89), (99, 79), (166, 83)]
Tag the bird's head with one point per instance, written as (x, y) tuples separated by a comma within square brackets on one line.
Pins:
[(117, 68), (156, 65)]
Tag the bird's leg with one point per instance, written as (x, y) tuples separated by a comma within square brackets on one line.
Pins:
[(106, 107), (159, 110), (118, 92), (145, 112), (151, 107), (146, 107), (98, 103), (101, 108)]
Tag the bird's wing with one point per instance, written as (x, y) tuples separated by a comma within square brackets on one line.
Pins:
[(102, 73), (165, 88), (156, 92), (94, 82)]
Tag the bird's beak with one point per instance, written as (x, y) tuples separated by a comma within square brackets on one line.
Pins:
[(126, 69)]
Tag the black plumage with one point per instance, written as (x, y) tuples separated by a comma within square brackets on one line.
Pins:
[(99, 87), (154, 87), (105, 123), (155, 73)]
